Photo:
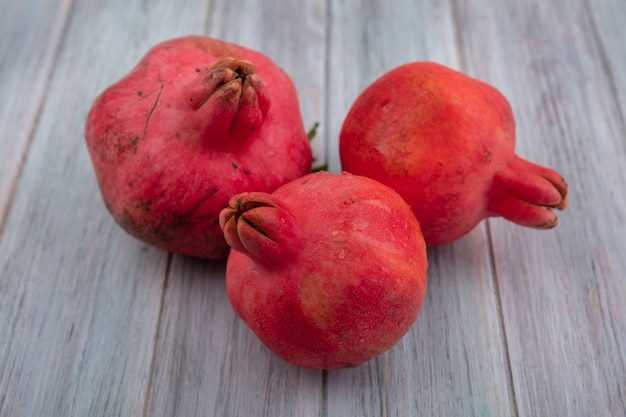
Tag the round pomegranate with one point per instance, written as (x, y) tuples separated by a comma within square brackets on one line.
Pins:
[(446, 143), (195, 122), (329, 270)]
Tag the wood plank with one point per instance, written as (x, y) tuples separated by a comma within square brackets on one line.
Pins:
[(95, 323), (453, 361), (79, 299), (209, 362), (560, 289), (29, 37), (607, 26)]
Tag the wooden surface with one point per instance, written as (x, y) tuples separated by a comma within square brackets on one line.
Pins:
[(516, 322)]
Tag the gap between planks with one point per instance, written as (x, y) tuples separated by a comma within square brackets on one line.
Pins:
[(157, 334), (500, 317)]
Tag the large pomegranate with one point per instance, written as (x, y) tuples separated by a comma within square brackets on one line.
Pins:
[(195, 122), (446, 143), (329, 270)]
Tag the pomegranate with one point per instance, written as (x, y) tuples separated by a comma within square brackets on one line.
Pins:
[(195, 122), (446, 143), (329, 270)]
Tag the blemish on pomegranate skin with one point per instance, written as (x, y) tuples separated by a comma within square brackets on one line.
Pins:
[(342, 254), (133, 144), (549, 224), (486, 155), (334, 233)]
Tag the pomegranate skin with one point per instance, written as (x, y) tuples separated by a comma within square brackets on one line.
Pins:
[(446, 143), (195, 122), (329, 270)]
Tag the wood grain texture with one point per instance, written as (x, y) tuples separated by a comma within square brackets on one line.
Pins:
[(516, 322), (30, 33), (608, 31), (564, 325)]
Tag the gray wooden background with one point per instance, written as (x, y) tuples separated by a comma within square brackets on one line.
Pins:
[(516, 322)]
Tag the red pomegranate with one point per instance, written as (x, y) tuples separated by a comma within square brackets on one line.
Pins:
[(446, 143), (329, 270), (195, 122)]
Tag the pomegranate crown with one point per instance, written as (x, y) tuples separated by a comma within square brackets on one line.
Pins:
[(259, 226), (230, 100)]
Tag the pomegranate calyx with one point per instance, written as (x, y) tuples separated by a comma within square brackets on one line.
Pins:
[(257, 226), (230, 100), (526, 193)]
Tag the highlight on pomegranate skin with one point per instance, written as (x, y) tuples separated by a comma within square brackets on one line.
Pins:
[(446, 143), (329, 270), (195, 122)]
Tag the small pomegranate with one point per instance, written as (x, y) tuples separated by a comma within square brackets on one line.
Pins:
[(446, 143), (195, 122), (329, 270)]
